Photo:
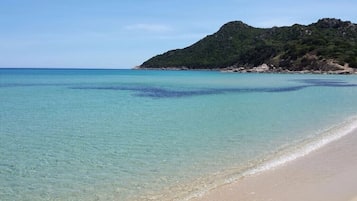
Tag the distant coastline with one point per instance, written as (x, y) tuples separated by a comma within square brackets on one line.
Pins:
[(259, 69)]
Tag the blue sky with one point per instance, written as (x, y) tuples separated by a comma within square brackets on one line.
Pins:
[(125, 33)]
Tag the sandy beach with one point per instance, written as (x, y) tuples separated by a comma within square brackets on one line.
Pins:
[(327, 174)]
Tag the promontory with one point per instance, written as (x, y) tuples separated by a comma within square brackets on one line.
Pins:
[(329, 45)]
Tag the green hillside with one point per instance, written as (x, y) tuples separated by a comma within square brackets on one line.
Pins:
[(318, 46)]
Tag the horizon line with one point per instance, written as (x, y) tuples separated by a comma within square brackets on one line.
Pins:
[(68, 68)]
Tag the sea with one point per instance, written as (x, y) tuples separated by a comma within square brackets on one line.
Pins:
[(95, 134)]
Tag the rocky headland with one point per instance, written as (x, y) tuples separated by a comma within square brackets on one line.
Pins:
[(327, 46)]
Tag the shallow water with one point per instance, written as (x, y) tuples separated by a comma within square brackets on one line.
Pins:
[(126, 134)]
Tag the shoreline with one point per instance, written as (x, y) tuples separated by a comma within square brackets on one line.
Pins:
[(259, 69), (206, 188), (326, 173)]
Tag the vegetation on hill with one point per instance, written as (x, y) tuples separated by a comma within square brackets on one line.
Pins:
[(318, 46)]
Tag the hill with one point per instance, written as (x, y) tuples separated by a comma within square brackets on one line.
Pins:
[(327, 45)]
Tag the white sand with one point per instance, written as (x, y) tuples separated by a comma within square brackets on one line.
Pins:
[(327, 174)]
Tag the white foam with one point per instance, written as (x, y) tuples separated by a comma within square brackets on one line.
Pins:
[(305, 148), (286, 155)]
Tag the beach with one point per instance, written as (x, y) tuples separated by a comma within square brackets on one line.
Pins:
[(326, 174)]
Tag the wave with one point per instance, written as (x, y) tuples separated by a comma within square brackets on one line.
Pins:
[(282, 156), (307, 146)]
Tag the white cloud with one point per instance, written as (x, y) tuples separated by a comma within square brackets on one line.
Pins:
[(190, 36), (149, 27)]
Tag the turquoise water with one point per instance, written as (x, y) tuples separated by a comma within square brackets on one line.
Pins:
[(131, 135)]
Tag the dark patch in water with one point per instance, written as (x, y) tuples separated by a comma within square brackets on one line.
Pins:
[(159, 92), (156, 92), (325, 82)]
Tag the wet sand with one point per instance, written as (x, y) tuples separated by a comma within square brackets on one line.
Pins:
[(327, 174)]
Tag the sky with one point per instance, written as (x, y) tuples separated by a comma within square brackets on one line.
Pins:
[(125, 33)]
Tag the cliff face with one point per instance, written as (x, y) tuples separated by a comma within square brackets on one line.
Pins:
[(327, 45)]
